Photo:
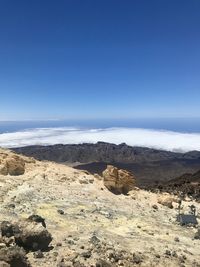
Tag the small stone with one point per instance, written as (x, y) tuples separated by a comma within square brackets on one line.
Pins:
[(155, 207), (102, 263), (91, 180), (11, 206), (168, 252), (174, 254), (55, 253), (197, 234), (61, 212), (86, 254), (38, 219), (94, 240), (176, 239), (38, 254), (2, 245), (137, 259), (70, 242)]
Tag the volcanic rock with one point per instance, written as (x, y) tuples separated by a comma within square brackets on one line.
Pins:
[(11, 164), (118, 181), (38, 219), (14, 257), (197, 234), (28, 234), (7, 229), (33, 236), (166, 200)]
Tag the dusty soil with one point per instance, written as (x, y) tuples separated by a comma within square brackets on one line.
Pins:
[(93, 227)]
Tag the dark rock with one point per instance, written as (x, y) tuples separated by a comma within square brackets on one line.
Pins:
[(86, 254), (103, 263), (8, 229), (15, 256), (136, 159), (70, 242), (155, 207), (38, 254), (174, 254), (78, 264), (62, 264), (168, 252), (197, 234), (11, 206), (176, 239), (32, 236), (94, 240), (61, 212), (38, 219), (137, 259), (182, 258)]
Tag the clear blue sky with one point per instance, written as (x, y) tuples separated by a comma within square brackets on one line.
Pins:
[(99, 59)]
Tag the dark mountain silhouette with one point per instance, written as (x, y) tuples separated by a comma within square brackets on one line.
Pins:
[(148, 165)]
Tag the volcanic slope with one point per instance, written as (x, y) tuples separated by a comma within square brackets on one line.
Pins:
[(90, 225)]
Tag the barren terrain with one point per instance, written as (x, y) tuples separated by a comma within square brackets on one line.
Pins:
[(90, 225)]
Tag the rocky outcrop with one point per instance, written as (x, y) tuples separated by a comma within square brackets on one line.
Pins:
[(33, 236), (11, 164), (118, 181), (101, 151), (167, 200), (28, 234)]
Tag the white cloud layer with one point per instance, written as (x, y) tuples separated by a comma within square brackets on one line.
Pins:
[(167, 140)]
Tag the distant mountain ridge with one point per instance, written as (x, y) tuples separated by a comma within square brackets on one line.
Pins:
[(102, 151), (149, 165)]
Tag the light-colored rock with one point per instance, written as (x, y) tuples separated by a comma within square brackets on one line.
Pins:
[(15, 165), (83, 180), (166, 200), (4, 264), (118, 181), (97, 176), (11, 164)]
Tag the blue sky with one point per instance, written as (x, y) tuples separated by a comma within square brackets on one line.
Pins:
[(99, 59)]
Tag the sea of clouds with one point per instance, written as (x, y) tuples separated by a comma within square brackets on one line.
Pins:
[(166, 140)]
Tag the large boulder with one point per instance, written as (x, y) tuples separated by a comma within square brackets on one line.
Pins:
[(32, 236), (11, 164), (29, 234), (118, 181)]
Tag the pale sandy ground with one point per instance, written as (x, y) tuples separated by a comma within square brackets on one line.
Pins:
[(124, 222)]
